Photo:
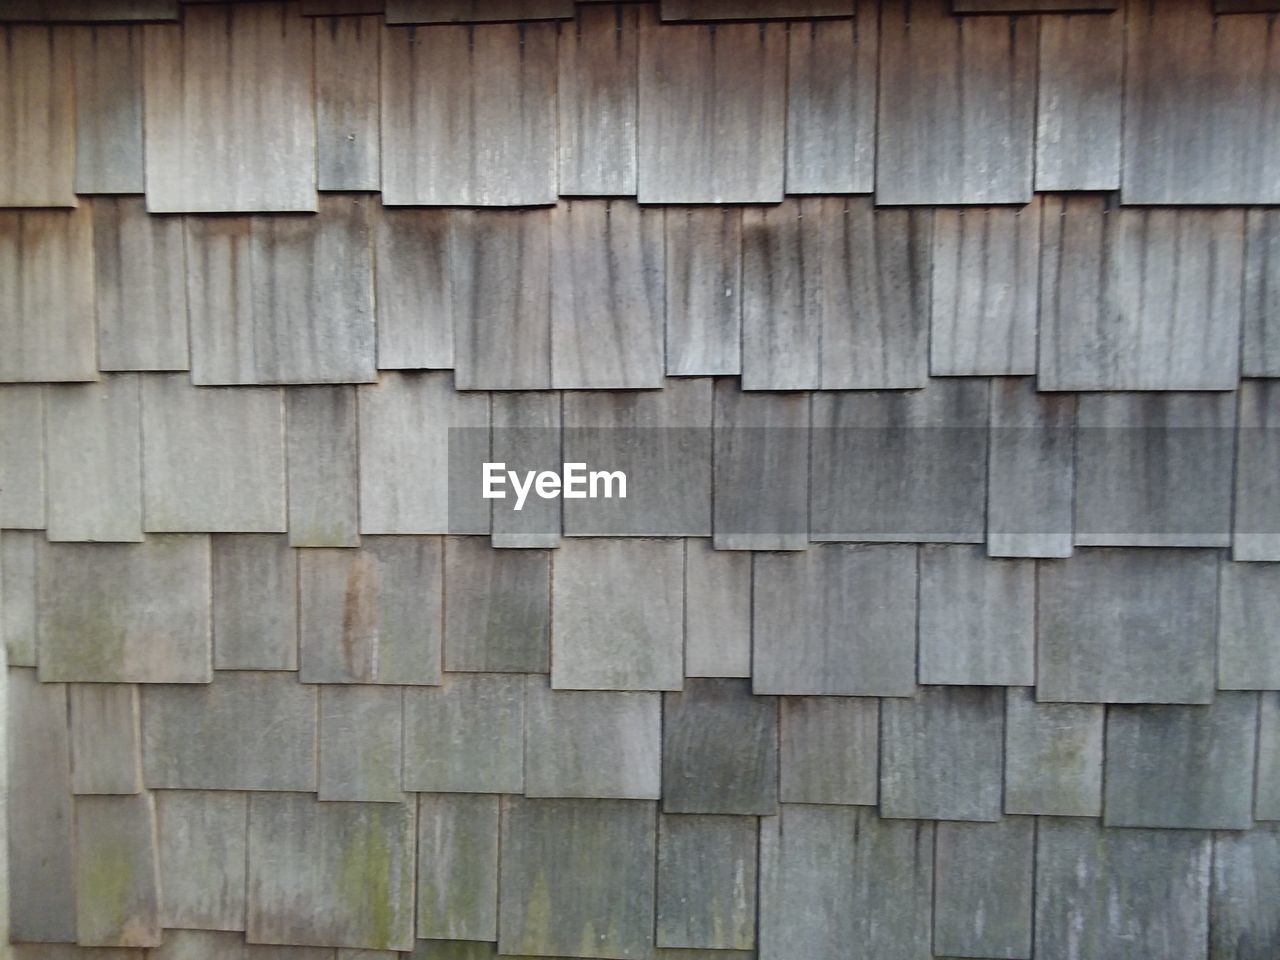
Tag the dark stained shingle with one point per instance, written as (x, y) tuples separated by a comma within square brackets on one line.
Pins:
[(36, 64), (347, 102)]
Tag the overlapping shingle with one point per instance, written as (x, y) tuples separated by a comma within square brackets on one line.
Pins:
[(466, 735), (413, 287), (706, 882), (360, 738), (829, 750), (717, 624), (1245, 871), (458, 866), (18, 550), (22, 459), (497, 615), (1052, 756), (703, 290), (347, 100), (1249, 626), (982, 902), (39, 99), (117, 873), (1255, 530), (106, 738), (108, 72), (203, 837)]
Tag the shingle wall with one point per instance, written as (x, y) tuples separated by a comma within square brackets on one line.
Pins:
[(942, 618)]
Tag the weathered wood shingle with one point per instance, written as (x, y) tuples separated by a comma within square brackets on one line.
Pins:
[(347, 100), (37, 113), (458, 866), (108, 70), (466, 735), (203, 837), (707, 882)]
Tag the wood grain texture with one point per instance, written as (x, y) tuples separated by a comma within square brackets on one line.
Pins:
[(360, 743), (901, 466), (125, 613), (577, 878), (347, 103), (469, 115), (1128, 894), (108, 71), (829, 750), (414, 288), (41, 854), (22, 459), (1078, 116), (1249, 626), (1031, 6), (1180, 766), (661, 441), (1154, 469), (501, 263), (1127, 626), (466, 736), (1053, 756), (597, 93), (321, 461), (607, 269), (372, 615), (1267, 791), (139, 287), (1255, 531), (213, 459), (1243, 925), (474, 11), (1030, 471), (717, 627), (977, 618), (203, 839), (106, 738), (458, 866), (230, 124), (967, 135), (632, 640), (255, 602), (46, 296), (835, 619), (1260, 351), (940, 754), (831, 876), (1139, 299), (712, 113), (986, 286), (1185, 139), (250, 730), (754, 9), (327, 874), (831, 103), (707, 882), (37, 115), (215, 945), (31, 11), (984, 876), (416, 435), (330, 8), (94, 455), (18, 551), (526, 430), (704, 290), (497, 615), (592, 743), (117, 872)]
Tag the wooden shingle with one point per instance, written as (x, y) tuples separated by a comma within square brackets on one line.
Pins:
[(106, 738), (108, 70), (372, 615), (982, 904), (474, 11), (712, 113), (202, 847), (704, 290), (1242, 923), (216, 945), (829, 750), (717, 623), (526, 430), (347, 102), (88, 10), (18, 552), (754, 9), (37, 111), (1255, 529), (250, 730), (414, 287), (497, 614), (125, 613), (458, 866), (466, 736), (1249, 626), (967, 134), (1052, 756), (360, 739), (117, 872), (321, 460), (1260, 352), (255, 602), (1267, 791), (330, 874), (707, 882), (836, 619), (469, 115), (1127, 626), (577, 878), (94, 453), (22, 459)]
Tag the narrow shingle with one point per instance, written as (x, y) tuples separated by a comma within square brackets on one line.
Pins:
[(37, 64), (717, 625), (108, 71), (1243, 923), (360, 738), (704, 290), (982, 903), (22, 457), (203, 835), (1052, 756), (707, 882), (1255, 528), (458, 866), (117, 872), (106, 738), (347, 102), (829, 750), (255, 602), (413, 286)]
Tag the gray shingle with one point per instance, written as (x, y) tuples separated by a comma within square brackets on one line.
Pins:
[(941, 754), (1267, 800), (458, 866), (106, 750), (212, 459), (22, 459), (413, 284), (831, 102), (604, 639), (360, 738), (229, 111), (203, 838), (1249, 626), (982, 904), (985, 290), (243, 731), (466, 736), (901, 465), (577, 878), (526, 430), (125, 613), (255, 602), (1260, 353), (1030, 6), (1120, 894), (829, 750), (1053, 756), (607, 302), (322, 466), (497, 612), (117, 872), (108, 71), (835, 619), (712, 113), (967, 135), (754, 9), (215, 945), (347, 101), (707, 882), (717, 620), (40, 170), (1182, 766), (330, 874), (977, 617), (90, 10), (588, 743), (469, 115), (1127, 626), (471, 11), (18, 550), (1243, 923), (704, 290), (1078, 120), (1255, 529), (93, 449)]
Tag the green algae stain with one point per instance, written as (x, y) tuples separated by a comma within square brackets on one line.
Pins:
[(366, 878), (105, 887)]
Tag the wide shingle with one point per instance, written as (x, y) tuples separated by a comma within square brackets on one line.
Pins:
[(360, 738), (117, 873), (1246, 882), (203, 838), (754, 9), (39, 98), (466, 736), (497, 614), (458, 866), (471, 11), (982, 904), (707, 882), (829, 750), (1052, 756)]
